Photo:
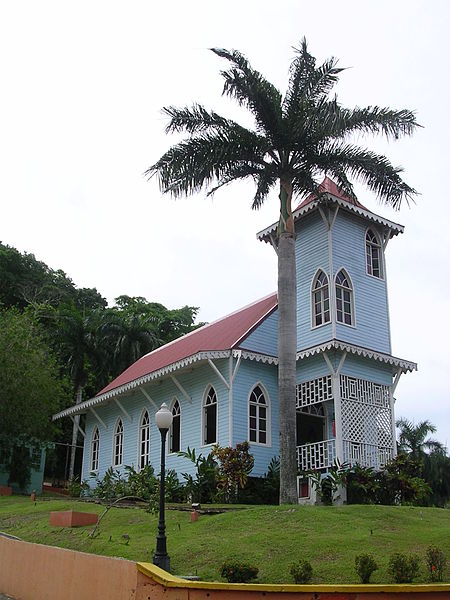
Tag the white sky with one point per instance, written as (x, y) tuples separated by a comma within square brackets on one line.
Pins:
[(82, 85)]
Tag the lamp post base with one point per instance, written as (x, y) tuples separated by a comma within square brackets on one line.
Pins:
[(162, 561)]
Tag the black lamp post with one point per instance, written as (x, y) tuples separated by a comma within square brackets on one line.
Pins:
[(163, 420)]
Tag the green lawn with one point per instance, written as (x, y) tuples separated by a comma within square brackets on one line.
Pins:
[(269, 537)]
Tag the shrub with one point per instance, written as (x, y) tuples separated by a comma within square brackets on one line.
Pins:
[(235, 465), (403, 568), (78, 488), (238, 572), (301, 571), (435, 560), (365, 565)]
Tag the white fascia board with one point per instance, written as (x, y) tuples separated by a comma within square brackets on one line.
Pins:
[(403, 365), (200, 356), (101, 399), (394, 228)]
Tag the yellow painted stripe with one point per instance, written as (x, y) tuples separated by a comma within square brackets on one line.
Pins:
[(168, 580)]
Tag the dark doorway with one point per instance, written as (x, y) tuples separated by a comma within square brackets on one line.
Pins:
[(310, 429)]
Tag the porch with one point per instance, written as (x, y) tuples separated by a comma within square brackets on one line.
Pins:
[(322, 454)]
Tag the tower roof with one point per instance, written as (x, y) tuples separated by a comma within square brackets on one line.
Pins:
[(332, 194)]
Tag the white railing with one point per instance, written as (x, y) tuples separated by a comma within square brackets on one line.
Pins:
[(366, 455), (318, 455)]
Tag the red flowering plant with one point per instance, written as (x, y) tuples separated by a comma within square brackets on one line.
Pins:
[(238, 572), (435, 559)]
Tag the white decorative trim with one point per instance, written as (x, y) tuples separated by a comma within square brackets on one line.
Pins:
[(218, 373), (395, 228), (181, 388), (264, 358), (403, 365)]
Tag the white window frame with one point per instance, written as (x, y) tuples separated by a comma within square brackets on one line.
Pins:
[(370, 244), (203, 420), (95, 448), (350, 289), (143, 429), (265, 393), (118, 435), (172, 406), (322, 299)]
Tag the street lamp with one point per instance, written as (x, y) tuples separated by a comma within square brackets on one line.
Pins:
[(163, 419)]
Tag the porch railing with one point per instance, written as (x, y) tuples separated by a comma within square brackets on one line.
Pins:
[(318, 455), (366, 455)]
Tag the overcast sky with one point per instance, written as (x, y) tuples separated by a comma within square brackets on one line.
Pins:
[(82, 87)]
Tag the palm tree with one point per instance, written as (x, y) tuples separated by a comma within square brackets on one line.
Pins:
[(296, 140), (412, 439)]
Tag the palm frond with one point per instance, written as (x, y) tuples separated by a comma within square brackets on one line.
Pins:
[(195, 119), (373, 169), (250, 89), (199, 161), (371, 119)]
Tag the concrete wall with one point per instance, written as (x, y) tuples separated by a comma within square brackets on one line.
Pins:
[(33, 571)]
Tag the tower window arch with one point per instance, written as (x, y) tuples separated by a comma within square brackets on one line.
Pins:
[(320, 299), (209, 417), (144, 440), (118, 444), (175, 428), (259, 416), (373, 255), (95, 447), (344, 299)]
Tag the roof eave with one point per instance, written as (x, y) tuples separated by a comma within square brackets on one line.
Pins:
[(405, 366), (266, 234), (83, 407)]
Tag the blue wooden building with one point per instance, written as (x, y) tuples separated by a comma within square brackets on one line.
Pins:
[(220, 381)]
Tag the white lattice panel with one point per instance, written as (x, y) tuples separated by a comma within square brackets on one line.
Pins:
[(366, 392), (314, 391), (366, 422), (319, 455)]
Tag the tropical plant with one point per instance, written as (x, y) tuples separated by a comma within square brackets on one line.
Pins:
[(301, 571), (403, 568), (200, 487), (435, 559), (296, 140), (235, 465), (235, 571), (365, 565), (413, 438), (327, 484)]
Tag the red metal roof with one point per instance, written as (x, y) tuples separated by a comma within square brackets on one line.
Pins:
[(330, 187), (224, 334)]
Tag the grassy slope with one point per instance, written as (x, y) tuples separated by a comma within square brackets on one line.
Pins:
[(269, 537)]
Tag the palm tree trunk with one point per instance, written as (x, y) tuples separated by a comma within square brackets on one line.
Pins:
[(76, 424), (287, 347)]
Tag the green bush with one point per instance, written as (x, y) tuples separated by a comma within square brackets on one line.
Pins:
[(238, 572), (435, 560), (301, 571), (78, 488), (403, 568), (365, 565)]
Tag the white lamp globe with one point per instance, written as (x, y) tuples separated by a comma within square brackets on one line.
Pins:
[(163, 417)]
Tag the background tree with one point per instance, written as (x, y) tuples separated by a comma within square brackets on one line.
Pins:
[(296, 139), (429, 454), (31, 389)]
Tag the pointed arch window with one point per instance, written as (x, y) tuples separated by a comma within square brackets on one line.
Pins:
[(209, 417), (373, 254), (95, 446), (118, 444), (144, 440), (344, 299), (175, 429), (320, 300), (258, 416)]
